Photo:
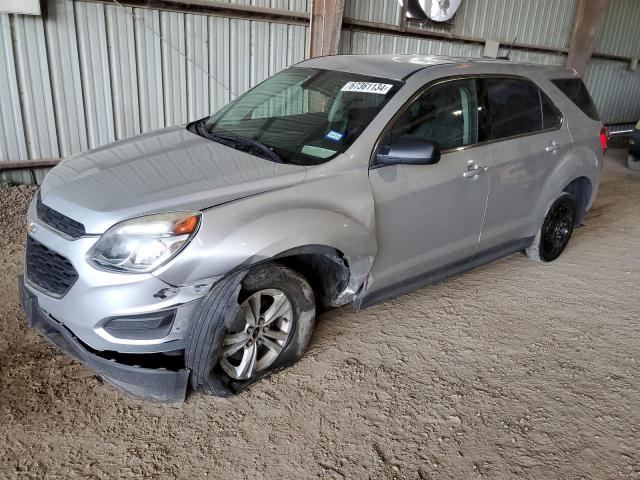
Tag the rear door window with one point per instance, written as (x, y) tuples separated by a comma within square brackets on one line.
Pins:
[(515, 107), (575, 89)]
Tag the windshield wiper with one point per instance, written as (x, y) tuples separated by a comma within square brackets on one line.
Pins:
[(236, 141)]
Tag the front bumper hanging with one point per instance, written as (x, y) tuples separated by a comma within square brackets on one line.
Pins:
[(153, 384)]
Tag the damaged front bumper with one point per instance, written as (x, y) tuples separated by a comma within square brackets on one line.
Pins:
[(155, 384)]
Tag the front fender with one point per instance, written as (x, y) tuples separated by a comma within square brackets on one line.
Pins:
[(332, 209)]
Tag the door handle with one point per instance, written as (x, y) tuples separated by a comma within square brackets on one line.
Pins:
[(552, 147), (474, 170)]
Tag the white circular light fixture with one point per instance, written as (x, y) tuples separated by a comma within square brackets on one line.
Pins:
[(435, 10)]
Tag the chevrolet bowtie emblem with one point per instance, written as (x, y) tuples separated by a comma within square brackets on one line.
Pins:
[(32, 227)]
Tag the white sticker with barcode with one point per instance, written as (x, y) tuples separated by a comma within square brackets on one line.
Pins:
[(367, 87)]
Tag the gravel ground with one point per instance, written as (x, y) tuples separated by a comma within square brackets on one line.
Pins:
[(514, 370)]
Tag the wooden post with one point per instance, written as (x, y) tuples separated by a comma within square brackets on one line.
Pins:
[(585, 29), (326, 23), (403, 15)]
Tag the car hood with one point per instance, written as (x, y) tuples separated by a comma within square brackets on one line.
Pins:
[(171, 169)]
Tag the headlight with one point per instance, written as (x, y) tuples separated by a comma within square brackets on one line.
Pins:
[(141, 244)]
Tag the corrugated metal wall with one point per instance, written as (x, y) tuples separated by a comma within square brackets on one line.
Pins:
[(545, 23), (539, 23), (377, 11), (619, 33), (369, 43), (85, 74), (615, 88), (373, 43)]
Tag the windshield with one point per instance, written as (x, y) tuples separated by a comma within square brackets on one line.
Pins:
[(303, 116)]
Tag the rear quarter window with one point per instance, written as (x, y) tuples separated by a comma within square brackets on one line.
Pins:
[(575, 89)]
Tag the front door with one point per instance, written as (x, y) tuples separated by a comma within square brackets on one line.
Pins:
[(430, 216)]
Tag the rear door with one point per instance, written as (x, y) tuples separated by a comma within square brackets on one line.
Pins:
[(527, 139)]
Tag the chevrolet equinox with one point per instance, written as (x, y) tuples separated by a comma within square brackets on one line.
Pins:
[(199, 254)]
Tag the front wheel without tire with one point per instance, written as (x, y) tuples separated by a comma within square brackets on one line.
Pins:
[(249, 326), (556, 230)]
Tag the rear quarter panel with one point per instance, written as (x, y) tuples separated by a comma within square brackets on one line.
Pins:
[(584, 158)]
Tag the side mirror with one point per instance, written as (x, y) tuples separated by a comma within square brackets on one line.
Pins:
[(409, 150)]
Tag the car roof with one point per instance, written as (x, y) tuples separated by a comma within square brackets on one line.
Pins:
[(399, 67)]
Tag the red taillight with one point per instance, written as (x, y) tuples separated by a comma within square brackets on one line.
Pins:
[(604, 137)]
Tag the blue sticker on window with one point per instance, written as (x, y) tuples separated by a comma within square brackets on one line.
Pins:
[(335, 136)]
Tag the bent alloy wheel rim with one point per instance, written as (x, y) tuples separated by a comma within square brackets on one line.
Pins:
[(557, 231), (259, 334)]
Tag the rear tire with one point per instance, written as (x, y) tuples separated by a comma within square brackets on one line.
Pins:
[(633, 163), (556, 230), (250, 325)]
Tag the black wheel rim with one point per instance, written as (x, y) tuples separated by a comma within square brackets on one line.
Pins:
[(557, 231)]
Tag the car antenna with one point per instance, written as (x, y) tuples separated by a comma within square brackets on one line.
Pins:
[(506, 57)]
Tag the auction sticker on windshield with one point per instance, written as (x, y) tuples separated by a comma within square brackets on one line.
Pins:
[(367, 87)]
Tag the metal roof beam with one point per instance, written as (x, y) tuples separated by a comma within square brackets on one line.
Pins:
[(229, 10)]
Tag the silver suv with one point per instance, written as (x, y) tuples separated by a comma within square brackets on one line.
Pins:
[(201, 253)]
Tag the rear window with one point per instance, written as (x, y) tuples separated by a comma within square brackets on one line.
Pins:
[(576, 91)]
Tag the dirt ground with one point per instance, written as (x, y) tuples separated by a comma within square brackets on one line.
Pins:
[(517, 369)]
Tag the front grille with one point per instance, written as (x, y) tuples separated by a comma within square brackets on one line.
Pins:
[(48, 270), (58, 221)]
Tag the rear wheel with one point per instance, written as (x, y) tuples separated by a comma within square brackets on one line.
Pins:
[(633, 163), (556, 230), (248, 327)]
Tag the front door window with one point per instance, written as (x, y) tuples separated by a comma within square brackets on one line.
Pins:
[(446, 114)]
